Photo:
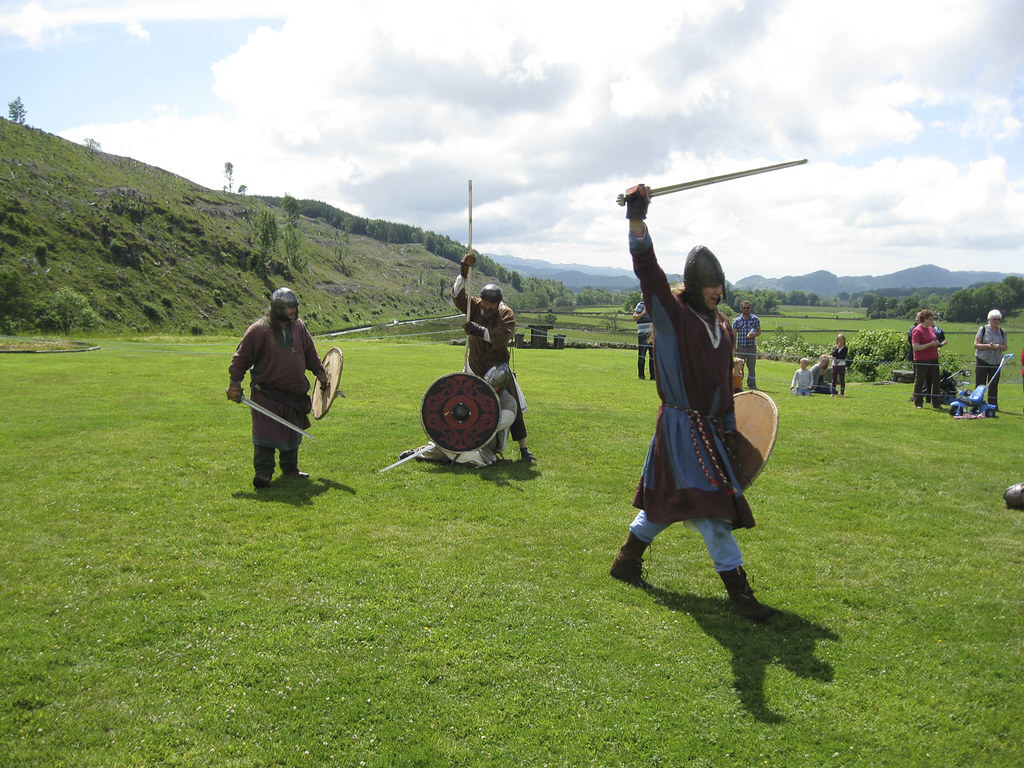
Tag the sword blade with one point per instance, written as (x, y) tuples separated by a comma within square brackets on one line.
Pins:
[(271, 415), (410, 457), (715, 180)]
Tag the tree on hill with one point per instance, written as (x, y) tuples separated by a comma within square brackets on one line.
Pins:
[(65, 311), (266, 242), (291, 239), (12, 294), (17, 112), (292, 209)]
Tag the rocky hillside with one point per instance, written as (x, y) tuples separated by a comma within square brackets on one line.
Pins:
[(153, 252)]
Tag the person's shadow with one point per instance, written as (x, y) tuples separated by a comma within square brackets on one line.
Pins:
[(502, 473), (784, 639), (294, 491)]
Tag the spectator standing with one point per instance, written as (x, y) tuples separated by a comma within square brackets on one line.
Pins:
[(747, 328), (926, 360), (839, 355), (737, 375), (644, 339), (989, 346)]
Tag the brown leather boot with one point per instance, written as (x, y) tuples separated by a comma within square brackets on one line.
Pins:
[(628, 565), (743, 601)]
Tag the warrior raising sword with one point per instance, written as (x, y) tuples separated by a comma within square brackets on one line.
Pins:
[(278, 350), (689, 475)]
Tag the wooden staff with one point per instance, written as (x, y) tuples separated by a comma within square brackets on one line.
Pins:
[(469, 296)]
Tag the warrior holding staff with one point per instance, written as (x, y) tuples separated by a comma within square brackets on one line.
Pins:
[(490, 328)]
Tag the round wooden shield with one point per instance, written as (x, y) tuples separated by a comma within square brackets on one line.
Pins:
[(460, 412), (757, 424), (333, 362)]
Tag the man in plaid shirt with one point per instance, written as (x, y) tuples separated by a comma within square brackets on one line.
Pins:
[(747, 328)]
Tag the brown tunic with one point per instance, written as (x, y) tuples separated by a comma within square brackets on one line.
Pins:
[(279, 358), (501, 327)]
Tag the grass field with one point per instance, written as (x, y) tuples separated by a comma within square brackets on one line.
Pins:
[(156, 610)]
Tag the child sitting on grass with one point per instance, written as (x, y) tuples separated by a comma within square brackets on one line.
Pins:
[(802, 379)]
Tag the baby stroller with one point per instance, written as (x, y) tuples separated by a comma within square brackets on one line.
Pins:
[(951, 383), (973, 403)]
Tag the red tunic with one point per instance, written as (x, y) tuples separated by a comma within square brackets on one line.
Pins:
[(279, 358)]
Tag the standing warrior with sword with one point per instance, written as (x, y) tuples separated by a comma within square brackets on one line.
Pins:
[(278, 350), (691, 474)]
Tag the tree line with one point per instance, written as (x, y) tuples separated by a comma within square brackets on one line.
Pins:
[(963, 305)]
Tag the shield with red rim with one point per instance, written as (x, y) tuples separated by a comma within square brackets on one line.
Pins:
[(460, 412)]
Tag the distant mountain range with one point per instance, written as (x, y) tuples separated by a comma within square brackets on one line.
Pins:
[(573, 276), (827, 284), (579, 276)]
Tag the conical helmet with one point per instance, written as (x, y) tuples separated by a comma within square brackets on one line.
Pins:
[(702, 269)]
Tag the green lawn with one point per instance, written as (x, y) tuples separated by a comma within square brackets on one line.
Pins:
[(156, 610)]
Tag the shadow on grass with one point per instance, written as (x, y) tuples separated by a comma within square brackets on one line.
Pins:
[(784, 639), (294, 491), (500, 473)]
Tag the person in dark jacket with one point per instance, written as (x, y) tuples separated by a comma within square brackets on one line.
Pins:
[(644, 339), (840, 355)]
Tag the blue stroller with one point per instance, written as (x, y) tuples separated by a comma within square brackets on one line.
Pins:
[(973, 403)]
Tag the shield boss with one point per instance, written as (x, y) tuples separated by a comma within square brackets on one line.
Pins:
[(460, 412)]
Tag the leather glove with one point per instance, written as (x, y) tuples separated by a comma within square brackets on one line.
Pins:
[(637, 200), (473, 329), (324, 383), (467, 261), (234, 392)]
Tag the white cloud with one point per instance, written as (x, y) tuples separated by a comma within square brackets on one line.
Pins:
[(387, 108), (135, 29), (45, 22)]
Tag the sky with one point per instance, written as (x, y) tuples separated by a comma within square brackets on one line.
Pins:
[(910, 114)]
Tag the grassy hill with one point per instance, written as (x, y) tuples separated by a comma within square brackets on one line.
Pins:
[(153, 252)]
